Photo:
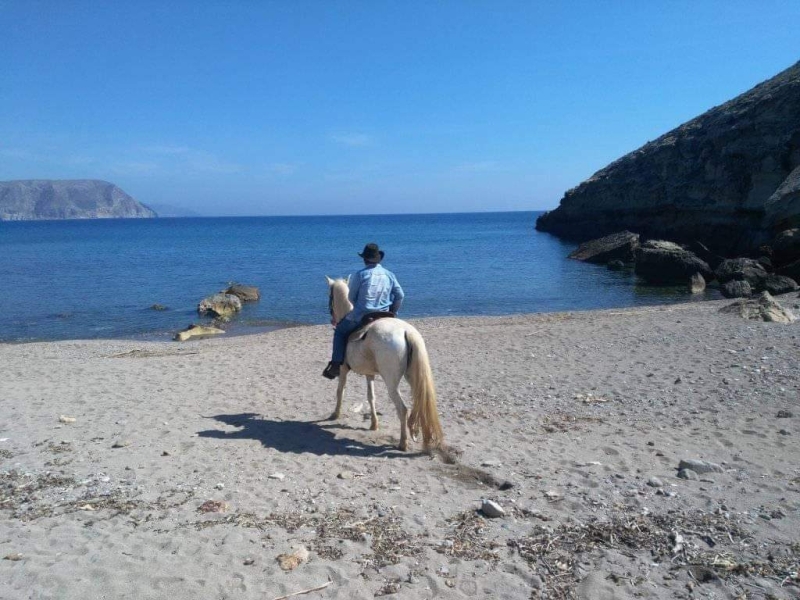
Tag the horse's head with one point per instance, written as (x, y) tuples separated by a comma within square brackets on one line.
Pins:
[(338, 302)]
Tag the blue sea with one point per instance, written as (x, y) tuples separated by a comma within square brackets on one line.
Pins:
[(99, 278)]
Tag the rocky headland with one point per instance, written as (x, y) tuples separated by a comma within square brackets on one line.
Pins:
[(729, 178), (45, 199)]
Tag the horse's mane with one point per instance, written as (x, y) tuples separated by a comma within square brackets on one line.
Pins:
[(340, 290)]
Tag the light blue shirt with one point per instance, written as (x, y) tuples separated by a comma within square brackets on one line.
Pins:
[(373, 289)]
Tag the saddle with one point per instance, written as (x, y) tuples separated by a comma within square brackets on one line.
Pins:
[(366, 321)]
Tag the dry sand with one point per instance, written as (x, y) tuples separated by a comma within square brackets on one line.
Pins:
[(577, 412)]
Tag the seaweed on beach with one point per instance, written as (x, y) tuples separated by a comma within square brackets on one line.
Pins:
[(561, 422), (25, 495), (17, 488), (668, 539), (467, 539), (387, 539)]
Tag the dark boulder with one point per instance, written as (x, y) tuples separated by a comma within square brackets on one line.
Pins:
[(245, 293), (736, 288), (791, 270), (617, 246), (779, 284), (742, 269), (766, 263), (703, 253), (664, 263), (786, 247), (615, 265)]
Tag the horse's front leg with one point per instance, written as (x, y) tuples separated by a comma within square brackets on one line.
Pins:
[(340, 393), (371, 399)]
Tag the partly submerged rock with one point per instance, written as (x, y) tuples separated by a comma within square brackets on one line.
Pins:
[(762, 308), (196, 331), (697, 284), (615, 265), (665, 263), (220, 305), (617, 246), (245, 293)]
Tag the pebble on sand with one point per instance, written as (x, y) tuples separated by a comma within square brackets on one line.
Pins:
[(699, 466), (492, 509)]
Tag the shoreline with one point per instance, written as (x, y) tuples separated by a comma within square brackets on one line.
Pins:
[(243, 330), (586, 415)]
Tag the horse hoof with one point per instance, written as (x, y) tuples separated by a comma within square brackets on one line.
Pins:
[(373, 427), (334, 417), (404, 446)]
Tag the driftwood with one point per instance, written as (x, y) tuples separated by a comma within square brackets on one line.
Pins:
[(308, 591)]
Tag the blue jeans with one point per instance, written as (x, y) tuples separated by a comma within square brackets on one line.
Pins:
[(340, 335)]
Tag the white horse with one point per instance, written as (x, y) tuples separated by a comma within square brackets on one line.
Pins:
[(392, 349)]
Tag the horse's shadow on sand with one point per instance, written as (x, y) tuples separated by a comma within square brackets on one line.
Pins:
[(297, 437)]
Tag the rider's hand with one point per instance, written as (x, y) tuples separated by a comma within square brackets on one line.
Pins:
[(333, 321)]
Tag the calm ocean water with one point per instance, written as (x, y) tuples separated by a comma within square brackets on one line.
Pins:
[(97, 279)]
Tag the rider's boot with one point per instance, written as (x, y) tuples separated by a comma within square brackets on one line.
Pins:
[(332, 370)]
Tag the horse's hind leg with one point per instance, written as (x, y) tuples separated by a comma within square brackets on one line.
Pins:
[(340, 393), (402, 412)]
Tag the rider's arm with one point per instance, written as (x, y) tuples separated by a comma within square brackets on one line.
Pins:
[(397, 297), (355, 286)]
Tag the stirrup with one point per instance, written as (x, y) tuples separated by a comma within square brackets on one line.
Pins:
[(332, 370)]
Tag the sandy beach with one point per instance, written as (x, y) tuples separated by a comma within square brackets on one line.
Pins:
[(185, 470)]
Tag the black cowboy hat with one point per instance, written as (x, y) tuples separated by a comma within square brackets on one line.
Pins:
[(372, 253)]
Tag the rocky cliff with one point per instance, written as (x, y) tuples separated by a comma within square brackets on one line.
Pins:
[(729, 178), (40, 199)]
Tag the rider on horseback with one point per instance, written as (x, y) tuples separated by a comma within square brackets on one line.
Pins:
[(372, 289)]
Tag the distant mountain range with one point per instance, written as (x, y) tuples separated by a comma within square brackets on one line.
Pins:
[(46, 199)]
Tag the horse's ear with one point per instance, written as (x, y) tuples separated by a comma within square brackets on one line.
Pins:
[(329, 280), (348, 280)]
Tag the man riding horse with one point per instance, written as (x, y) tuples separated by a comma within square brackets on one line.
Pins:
[(372, 290)]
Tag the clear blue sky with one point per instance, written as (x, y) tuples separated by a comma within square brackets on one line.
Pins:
[(329, 107)]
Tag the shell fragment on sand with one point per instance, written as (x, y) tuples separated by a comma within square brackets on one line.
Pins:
[(289, 562)]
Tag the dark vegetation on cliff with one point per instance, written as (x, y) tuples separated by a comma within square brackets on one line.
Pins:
[(729, 178), (43, 199)]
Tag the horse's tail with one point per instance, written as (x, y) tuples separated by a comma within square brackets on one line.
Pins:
[(424, 415)]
